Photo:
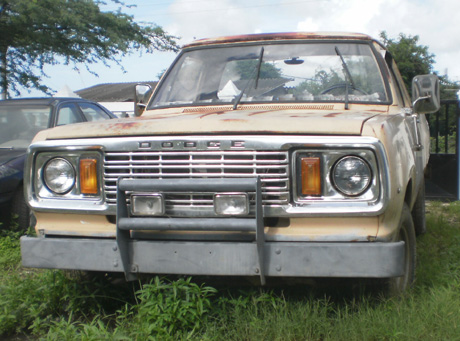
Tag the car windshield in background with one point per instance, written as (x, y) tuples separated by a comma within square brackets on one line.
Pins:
[(310, 72), (18, 126)]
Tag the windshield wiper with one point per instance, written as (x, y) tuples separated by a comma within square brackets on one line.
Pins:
[(256, 74), (347, 75)]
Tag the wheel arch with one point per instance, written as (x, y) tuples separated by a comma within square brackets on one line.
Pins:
[(409, 193)]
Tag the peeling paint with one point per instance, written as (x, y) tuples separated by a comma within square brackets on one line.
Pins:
[(213, 113), (373, 130), (258, 113), (123, 125), (333, 114), (376, 110), (234, 120)]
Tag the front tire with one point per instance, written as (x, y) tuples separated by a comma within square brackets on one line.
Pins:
[(418, 211), (398, 285), (20, 210)]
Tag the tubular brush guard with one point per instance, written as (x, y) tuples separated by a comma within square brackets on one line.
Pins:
[(126, 224)]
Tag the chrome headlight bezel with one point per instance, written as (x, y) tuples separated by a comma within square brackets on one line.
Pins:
[(42, 188), (331, 193)]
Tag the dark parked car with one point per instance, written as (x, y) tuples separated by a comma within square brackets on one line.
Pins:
[(20, 120)]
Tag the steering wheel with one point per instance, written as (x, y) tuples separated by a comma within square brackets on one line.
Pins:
[(343, 85)]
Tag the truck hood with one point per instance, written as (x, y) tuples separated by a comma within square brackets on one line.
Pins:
[(313, 119)]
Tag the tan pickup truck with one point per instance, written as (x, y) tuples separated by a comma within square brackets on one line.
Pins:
[(270, 155)]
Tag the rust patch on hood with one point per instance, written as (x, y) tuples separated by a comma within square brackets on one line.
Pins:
[(234, 120), (213, 113), (258, 113), (333, 114), (379, 111), (123, 125)]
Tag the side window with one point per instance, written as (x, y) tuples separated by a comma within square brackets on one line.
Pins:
[(68, 114), (92, 112)]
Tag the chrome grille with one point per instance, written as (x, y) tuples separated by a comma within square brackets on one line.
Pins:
[(271, 166)]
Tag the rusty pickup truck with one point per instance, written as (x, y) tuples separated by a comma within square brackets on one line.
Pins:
[(293, 155)]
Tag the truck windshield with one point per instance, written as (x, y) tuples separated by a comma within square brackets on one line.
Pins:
[(294, 72)]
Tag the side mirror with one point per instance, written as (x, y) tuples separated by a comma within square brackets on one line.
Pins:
[(426, 97), (141, 96)]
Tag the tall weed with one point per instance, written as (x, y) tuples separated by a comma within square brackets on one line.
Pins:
[(438, 251), (165, 308), (31, 301), (10, 254)]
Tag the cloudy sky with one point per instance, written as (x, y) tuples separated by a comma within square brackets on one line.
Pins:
[(435, 22)]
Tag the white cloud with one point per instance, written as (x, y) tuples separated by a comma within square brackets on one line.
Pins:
[(308, 25), (337, 15), (204, 19)]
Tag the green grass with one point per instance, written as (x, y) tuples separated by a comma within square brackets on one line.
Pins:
[(56, 306)]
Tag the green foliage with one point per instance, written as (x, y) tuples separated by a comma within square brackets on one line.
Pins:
[(440, 148), (32, 301), (10, 255), (440, 254), (48, 32), (412, 59), (169, 308)]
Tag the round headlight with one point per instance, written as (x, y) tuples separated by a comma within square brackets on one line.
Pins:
[(351, 175), (59, 175)]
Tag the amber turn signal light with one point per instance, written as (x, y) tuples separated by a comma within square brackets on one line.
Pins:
[(311, 175), (88, 176)]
